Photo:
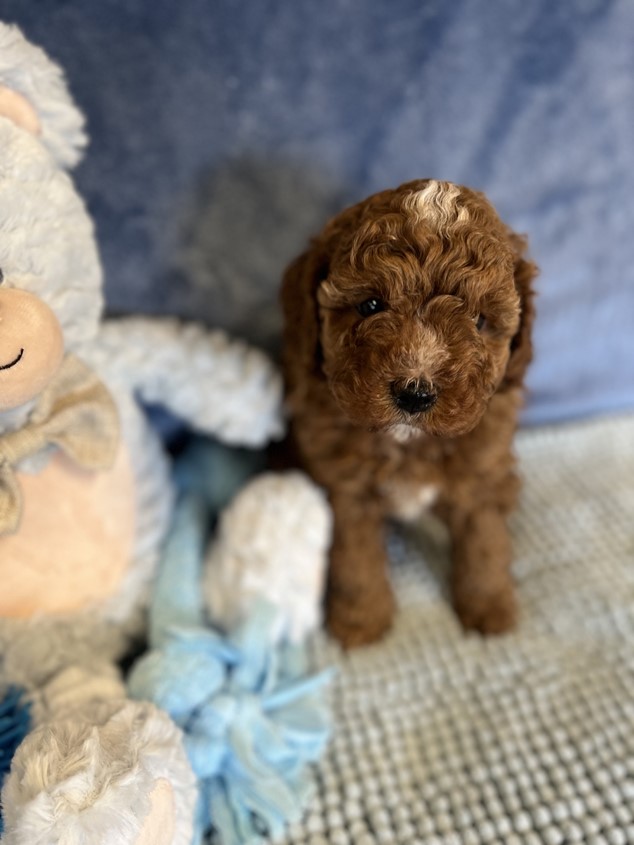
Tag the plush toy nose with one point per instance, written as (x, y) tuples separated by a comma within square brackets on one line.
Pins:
[(415, 397)]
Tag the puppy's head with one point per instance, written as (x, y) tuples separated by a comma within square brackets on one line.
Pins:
[(415, 306)]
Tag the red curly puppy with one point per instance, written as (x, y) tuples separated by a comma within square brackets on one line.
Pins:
[(407, 335)]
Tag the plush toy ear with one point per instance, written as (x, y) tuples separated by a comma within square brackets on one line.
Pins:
[(302, 355), (17, 108), (521, 345), (34, 95)]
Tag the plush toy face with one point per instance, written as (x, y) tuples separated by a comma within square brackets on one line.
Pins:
[(50, 268), (31, 346), (50, 275)]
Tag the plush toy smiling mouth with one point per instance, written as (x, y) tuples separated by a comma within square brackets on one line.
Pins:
[(14, 362), (27, 322)]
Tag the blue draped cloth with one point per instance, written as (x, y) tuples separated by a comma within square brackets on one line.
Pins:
[(224, 133)]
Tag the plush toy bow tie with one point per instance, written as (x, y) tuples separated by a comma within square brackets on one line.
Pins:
[(76, 414)]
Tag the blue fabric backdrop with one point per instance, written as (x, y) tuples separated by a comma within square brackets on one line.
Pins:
[(224, 132)]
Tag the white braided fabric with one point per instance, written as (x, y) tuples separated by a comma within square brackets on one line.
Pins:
[(444, 738)]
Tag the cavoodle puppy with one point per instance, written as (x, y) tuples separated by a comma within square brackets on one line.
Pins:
[(407, 336)]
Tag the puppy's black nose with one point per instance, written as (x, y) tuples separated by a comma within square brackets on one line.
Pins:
[(414, 398)]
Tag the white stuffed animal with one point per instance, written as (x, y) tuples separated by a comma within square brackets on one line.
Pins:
[(85, 495)]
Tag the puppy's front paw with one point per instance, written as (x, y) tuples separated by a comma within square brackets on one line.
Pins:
[(362, 620), (488, 613)]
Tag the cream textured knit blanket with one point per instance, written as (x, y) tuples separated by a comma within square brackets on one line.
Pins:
[(444, 738)]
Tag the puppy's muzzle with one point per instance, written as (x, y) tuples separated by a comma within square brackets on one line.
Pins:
[(414, 397)]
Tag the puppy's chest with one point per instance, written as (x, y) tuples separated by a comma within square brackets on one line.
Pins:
[(411, 479)]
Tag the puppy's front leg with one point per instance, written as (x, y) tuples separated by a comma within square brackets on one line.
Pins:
[(359, 599), (481, 584)]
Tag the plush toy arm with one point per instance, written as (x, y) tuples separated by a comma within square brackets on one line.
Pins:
[(220, 386)]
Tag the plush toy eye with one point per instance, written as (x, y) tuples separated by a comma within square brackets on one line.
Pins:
[(371, 306), (1, 276), (481, 322)]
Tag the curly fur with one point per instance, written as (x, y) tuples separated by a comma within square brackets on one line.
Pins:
[(456, 313)]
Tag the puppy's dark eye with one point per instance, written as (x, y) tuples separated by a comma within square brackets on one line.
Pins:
[(371, 306), (481, 322)]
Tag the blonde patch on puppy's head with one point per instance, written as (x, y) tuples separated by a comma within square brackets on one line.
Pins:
[(438, 204)]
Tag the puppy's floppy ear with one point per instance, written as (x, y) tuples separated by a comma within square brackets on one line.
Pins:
[(521, 345), (302, 355)]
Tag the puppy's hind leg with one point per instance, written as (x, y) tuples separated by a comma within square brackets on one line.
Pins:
[(359, 599)]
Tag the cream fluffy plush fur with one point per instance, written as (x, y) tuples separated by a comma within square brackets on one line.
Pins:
[(97, 768)]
